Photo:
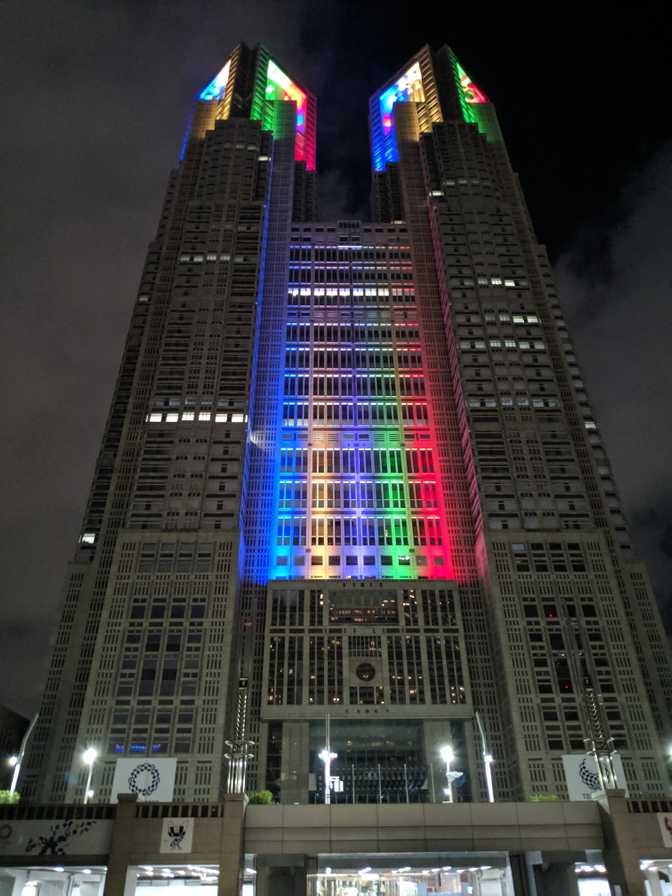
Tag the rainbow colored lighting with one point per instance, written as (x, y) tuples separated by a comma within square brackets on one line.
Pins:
[(475, 106), (217, 86), (408, 88), (278, 86), (359, 490), (471, 93)]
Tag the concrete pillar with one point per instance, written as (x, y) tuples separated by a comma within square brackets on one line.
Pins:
[(120, 883), (6, 884), (284, 875), (522, 875), (556, 879), (120, 879), (231, 846), (621, 857), (295, 762)]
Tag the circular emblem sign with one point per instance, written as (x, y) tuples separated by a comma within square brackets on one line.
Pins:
[(144, 779), (589, 778), (365, 672)]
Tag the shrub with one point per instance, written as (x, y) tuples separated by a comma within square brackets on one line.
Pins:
[(544, 797), (261, 797), (6, 796)]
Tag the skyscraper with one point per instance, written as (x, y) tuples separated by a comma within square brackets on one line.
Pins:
[(351, 493)]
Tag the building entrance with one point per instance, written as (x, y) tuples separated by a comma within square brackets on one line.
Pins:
[(417, 874)]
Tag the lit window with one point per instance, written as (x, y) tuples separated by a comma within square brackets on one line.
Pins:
[(155, 418), (172, 418), (187, 416), (88, 538), (204, 415)]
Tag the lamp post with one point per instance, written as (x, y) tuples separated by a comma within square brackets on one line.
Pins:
[(89, 757), (448, 756), (15, 761), (326, 756), (488, 759)]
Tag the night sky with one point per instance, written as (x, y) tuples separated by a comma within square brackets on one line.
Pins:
[(96, 98)]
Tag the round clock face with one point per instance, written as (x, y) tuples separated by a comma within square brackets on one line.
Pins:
[(365, 672)]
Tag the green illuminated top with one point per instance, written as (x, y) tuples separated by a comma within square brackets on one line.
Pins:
[(475, 106)]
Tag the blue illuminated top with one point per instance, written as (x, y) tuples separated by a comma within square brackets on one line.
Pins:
[(408, 88), (217, 86)]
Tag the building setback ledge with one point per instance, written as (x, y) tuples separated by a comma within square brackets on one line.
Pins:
[(418, 828)]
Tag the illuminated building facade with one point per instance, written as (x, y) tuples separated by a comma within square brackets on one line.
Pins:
[(549, 576), (351, 474)]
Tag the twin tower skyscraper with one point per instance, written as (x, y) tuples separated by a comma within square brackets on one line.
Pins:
[(351, 472)]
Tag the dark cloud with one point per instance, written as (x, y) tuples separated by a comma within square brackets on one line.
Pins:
[(616, 280)]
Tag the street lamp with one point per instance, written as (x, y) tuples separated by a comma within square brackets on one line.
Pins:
[(15, 761), (447, 754), (89, 757), (488, 759), (326, 756)]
